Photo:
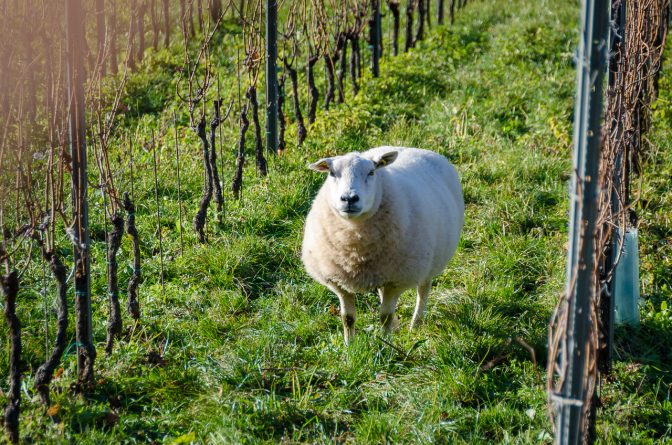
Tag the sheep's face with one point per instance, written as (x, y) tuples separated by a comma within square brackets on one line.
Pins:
[(353, 191)]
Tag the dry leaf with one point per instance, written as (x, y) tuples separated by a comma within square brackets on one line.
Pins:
[(54, 410)]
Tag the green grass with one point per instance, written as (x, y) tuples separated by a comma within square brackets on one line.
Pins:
[(251, 352)]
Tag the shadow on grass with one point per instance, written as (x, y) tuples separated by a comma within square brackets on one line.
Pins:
[(649, 344), (642, 363)]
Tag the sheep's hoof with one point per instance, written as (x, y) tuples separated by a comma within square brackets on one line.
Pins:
[(348, 329), (390, 323), (348, 336)]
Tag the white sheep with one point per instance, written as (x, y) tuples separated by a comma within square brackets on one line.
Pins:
[(387, 219)]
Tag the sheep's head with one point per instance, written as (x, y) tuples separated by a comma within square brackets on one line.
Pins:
[(352, 186)]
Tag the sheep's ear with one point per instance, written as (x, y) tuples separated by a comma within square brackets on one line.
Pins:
[(385, 159), (323, 165)]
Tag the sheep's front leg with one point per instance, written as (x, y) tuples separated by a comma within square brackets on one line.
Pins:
[(348, 314), (389, 296), (421, 303)]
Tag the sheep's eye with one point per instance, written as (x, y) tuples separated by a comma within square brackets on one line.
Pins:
[(332, 174), (371, 173)]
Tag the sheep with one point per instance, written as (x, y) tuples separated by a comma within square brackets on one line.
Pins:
[(389, 219)]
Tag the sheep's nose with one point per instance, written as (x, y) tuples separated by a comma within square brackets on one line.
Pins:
[(350, 198)]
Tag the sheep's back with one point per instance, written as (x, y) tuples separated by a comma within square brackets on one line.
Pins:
[(425, 191)]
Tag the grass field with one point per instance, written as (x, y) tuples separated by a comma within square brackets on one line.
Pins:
[(243, 347)]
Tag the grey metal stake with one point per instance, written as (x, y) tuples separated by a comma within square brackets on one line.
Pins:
[(158, 213), (221, 139), (46, 305), (130, 159), (179, 185), (592, 56), (271, 76), (375, 39), (74, 18)]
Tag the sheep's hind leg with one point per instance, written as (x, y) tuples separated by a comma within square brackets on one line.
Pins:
[(421, 303), (348, 314), (388, 307)]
